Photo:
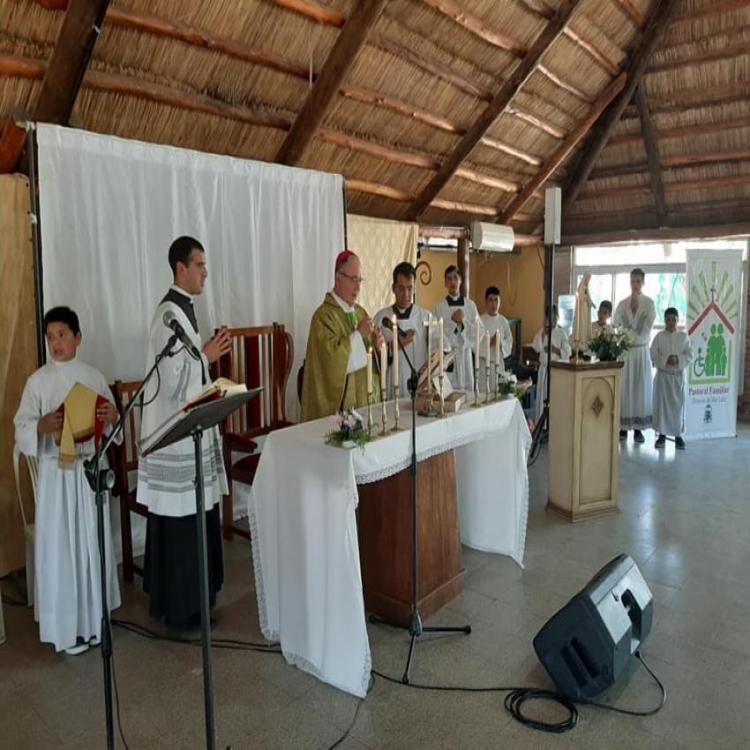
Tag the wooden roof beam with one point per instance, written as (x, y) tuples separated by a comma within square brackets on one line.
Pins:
[(62, 79), (684, 131), (711, 10), (350, 41), (725, 53), (631, 11), (563, 151), (496, 107), (686, 232), (314, 11), (713, 183), (655, 27), (681, 160), (652, 152)]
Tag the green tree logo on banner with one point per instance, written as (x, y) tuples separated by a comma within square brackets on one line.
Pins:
[(711, 312)]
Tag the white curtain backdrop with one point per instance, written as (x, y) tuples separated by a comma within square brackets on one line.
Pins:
[(111, 207)]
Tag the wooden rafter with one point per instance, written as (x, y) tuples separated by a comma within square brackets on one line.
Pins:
[(686, 208), (496, 107), (313, 11), (724, 53), (652, 152), (711, 10), (655, 27), (536, 121), (678, 186), (563, 151), (680, 160), (684, 131), (62, 79), (350, 41), (631, 11), (686, 232)]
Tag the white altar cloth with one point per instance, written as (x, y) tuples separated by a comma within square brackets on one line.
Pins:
[(304, 528)]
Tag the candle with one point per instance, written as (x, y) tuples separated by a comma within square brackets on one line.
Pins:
[(369, 371), (477, 329), (429, 354), (383, 366), (394, 333), (440, 350), (497, 348), (487, 350)]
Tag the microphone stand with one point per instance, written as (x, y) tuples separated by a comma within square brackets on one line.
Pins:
[(416, 628), (100, 481)]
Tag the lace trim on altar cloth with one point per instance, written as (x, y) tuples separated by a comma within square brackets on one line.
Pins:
[(268, 634), (301, 663), (635, 423)]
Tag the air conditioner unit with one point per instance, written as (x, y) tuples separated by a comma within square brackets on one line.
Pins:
[(493, 238)]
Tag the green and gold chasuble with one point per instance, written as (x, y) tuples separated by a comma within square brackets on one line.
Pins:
[(326, 387)]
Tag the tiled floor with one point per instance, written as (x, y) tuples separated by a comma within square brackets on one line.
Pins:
[(685, 520)]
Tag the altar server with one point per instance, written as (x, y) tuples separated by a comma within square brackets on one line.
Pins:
[(496, 325), (411, 320), (461, 321), (67, 596), (603, 314), (166, 477), (341, 332), (636, 314), (670, 354), (560, 351)]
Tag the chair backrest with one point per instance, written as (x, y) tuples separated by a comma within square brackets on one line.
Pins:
[(260, 356), (124, 457), (31, 465)]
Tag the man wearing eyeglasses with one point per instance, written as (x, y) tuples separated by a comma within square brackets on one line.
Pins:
[(341, 331)]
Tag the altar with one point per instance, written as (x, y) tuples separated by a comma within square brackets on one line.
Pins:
[(302, 511)]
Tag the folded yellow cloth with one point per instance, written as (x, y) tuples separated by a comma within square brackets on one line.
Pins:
[(79, 422)]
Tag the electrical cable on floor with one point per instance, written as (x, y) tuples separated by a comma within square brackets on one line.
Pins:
[(117, 703), (518, 696), (356, 714)]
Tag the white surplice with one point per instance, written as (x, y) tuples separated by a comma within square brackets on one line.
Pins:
[(669, 381), (416, 350), (539, 344), (67, 596), (462, 339), (166, 478), (636, 396)]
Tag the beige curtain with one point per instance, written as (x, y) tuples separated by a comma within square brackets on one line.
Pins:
[(381, 244)]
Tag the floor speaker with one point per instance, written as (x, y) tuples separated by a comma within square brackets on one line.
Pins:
[(588, 644)]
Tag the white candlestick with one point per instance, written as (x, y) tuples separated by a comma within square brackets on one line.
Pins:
[(440, 350), (383, 366), (429, 354), (478, 340), (497, 348), (394, 332), (487, 350), (369, 371)]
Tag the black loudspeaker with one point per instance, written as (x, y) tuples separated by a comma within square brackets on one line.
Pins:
[(588, 644)]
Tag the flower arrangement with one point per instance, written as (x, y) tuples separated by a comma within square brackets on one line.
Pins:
[(508, 385), (609, 345), (349, 430)]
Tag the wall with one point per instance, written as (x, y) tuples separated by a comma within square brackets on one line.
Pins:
[(18, 357)]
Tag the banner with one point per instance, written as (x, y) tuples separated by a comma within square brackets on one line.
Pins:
[(714, 285)]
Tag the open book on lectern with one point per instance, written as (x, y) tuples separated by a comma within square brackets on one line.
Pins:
[(219, 389)]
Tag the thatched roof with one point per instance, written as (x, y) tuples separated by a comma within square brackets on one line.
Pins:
[(232, 77)]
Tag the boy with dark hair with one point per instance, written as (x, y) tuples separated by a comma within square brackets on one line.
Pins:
[(63, 405), (603, 314), (560, 350), (460, 318), (496, 325), (671, 353)]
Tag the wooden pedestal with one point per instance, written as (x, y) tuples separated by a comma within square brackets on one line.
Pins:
[(385, 540), (584, 438)]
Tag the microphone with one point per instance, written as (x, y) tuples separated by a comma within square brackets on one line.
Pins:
[(170, 321)]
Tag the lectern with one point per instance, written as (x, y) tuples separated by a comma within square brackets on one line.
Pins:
[(584, 438)]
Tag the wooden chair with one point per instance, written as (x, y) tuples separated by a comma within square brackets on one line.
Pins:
[(260, 356), (124, 461)]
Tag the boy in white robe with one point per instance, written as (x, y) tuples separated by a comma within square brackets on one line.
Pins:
[(410, 319), (67, 596), (460, 318), (671, 353), (603, 314), (496, 325), (636, 314), (166, 477), (560, 351)]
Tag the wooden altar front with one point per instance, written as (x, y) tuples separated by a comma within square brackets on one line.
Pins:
[(384, 522)]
